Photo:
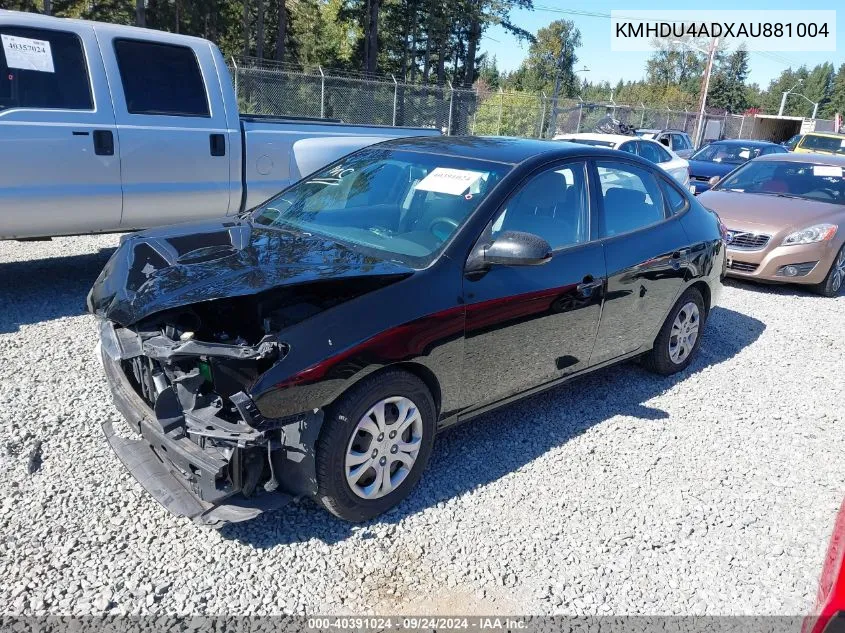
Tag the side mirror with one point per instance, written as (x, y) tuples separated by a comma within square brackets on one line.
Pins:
[(517, 248), (714, 180)]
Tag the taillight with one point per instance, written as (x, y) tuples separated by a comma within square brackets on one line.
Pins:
[(831, 595)]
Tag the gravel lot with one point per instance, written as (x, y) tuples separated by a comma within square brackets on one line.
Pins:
[(711, 492)]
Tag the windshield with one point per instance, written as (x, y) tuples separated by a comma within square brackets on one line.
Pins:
[(727, 153), (405, 204), (589, 141), (832, 144), (824, 183)]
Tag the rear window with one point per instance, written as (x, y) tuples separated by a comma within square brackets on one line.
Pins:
[(43, 69), (161, 79), (835, 145)]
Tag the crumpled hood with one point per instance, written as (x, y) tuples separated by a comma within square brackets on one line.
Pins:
[(706, 169), (173, 266)]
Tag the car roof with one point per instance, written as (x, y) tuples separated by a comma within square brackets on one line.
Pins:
[(746, 142), (597, 136), (492, 148), (813, 159), (826, 135)]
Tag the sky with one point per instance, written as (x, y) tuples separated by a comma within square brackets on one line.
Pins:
[(606, 65)]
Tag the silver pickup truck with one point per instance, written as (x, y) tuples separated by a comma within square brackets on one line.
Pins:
[(113, 128)]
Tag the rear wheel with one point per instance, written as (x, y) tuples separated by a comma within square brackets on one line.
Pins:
[(835, 279), (679, 338), (375, 443)]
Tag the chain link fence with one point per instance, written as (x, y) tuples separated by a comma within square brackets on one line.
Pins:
[(265, 87)]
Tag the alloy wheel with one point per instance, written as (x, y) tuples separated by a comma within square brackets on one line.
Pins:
[(684, 333), (384, 447), (838, 271)]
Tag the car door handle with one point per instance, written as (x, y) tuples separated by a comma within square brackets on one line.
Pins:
[(103, 143), (586, 287), (678, 257), (217, 144)]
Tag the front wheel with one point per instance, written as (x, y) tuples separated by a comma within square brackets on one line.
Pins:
[(832, 284), (679, 338), (374, 445)]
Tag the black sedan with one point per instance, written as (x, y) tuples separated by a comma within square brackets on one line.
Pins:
[(316, 345), (721, 157)]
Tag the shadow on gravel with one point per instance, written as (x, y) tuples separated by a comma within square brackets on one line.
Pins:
[(782, 290), (38, 290), (498, 443)]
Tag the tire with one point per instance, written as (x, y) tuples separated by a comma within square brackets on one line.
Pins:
[(665, 357), (835, 279), (346, 437)]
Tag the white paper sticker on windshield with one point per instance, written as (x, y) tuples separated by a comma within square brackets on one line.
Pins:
[(842, 143), (745, 154), (28, 54), (447, 180), (827, 170)]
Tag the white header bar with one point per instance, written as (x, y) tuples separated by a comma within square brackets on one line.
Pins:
[(775, 30)]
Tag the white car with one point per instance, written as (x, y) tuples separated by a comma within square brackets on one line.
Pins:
[(653, 151)]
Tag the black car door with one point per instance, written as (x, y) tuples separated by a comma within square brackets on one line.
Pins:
[(528, 325), (647, 253)]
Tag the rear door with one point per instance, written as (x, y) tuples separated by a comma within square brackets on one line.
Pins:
[(529, 325), (647, 252), (171, 121), (59, 157)]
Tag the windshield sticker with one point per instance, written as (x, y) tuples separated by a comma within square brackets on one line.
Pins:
[(28, 54), (450, 181), (842, 143), (827, 171), (745, 154)]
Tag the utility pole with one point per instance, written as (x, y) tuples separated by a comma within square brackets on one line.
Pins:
[(699, 133), (785, 95)]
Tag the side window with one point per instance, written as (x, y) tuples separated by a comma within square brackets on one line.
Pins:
[(631, 198), (161, 79), (553, 204), (678, 142), (629, 146), (654, 153), (675, 200), (43, 69)]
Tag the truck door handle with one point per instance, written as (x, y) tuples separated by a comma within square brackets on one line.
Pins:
[(103, 143), (217, 144)]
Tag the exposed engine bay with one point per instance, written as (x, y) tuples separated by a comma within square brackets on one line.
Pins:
[(193, 368)]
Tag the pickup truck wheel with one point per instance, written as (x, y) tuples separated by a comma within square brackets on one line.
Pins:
[(374, 445), (679, 338)]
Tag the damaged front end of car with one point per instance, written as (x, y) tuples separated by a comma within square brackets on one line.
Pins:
[(192, 328), (205, 452)]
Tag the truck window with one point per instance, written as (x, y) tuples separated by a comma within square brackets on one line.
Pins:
[(160, 79), (40, 68)]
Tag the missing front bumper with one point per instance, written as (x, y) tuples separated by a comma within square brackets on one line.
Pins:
[(158, 480), (172, 470)]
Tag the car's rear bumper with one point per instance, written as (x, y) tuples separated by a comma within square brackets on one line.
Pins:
[(175, 470), (811, 262)]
